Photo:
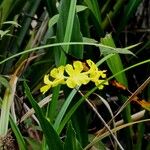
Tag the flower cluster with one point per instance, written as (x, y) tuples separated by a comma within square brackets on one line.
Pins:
[(75, 75)]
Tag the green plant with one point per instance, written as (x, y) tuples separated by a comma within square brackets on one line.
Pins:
[(66, 32)]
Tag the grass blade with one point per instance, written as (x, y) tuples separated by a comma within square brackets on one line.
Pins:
[(71, 142), (52, 138), (63, 109), (18, 135), (115, 65), (128, 13)]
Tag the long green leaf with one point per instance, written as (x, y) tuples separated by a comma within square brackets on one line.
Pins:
[(94, 7), (5, 8), (55, 18), (18, 135), (52, 138), (51, 7), (130, 9), (68, 29), (112, 13), (30, 9), (71, 141), (4, 82), (80, 124), (6, 105), (115, 65), (63, 109), (96, 17), (114, 50)]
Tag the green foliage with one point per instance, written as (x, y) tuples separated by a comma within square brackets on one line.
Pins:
[(53, 141), (63, 110), (36, 36), (4, 82), (71, 142), (18, 135)]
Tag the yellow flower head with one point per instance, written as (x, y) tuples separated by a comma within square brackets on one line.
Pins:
[(100, 84), (48, 85), (76, 77), (58, 74), (92, 66), (96, 75)]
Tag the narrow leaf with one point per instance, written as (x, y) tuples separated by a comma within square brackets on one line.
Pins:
[(114, 63), (18, 135), (71, 142), (94, 7), (4, 82), (55, 18), (34, 144), (52, 138), (129, 10), (3, 33), (12, 23), (64, 109)]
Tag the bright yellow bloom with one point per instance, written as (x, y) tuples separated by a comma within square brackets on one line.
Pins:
[(96, 74), (58, 75), (48, 85), (76, 76), (92, 66), (100, 85)]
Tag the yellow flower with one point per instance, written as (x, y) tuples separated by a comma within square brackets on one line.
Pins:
[(99, 84), (58, 74), (76, 77), (48, 85), (96, 74), (92, 66)]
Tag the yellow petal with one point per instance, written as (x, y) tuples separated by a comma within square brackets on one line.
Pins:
[(71, 83), (54, 72), (90, 62), (102, 73), (78, 66), (45, 88), (58, 81), (83, 79), (100, 87), (69, 69), (106, 83), (46, 80), (100, 83), (92, 65), (57, 72)]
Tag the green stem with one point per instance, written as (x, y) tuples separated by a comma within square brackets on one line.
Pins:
[(6, 104)]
